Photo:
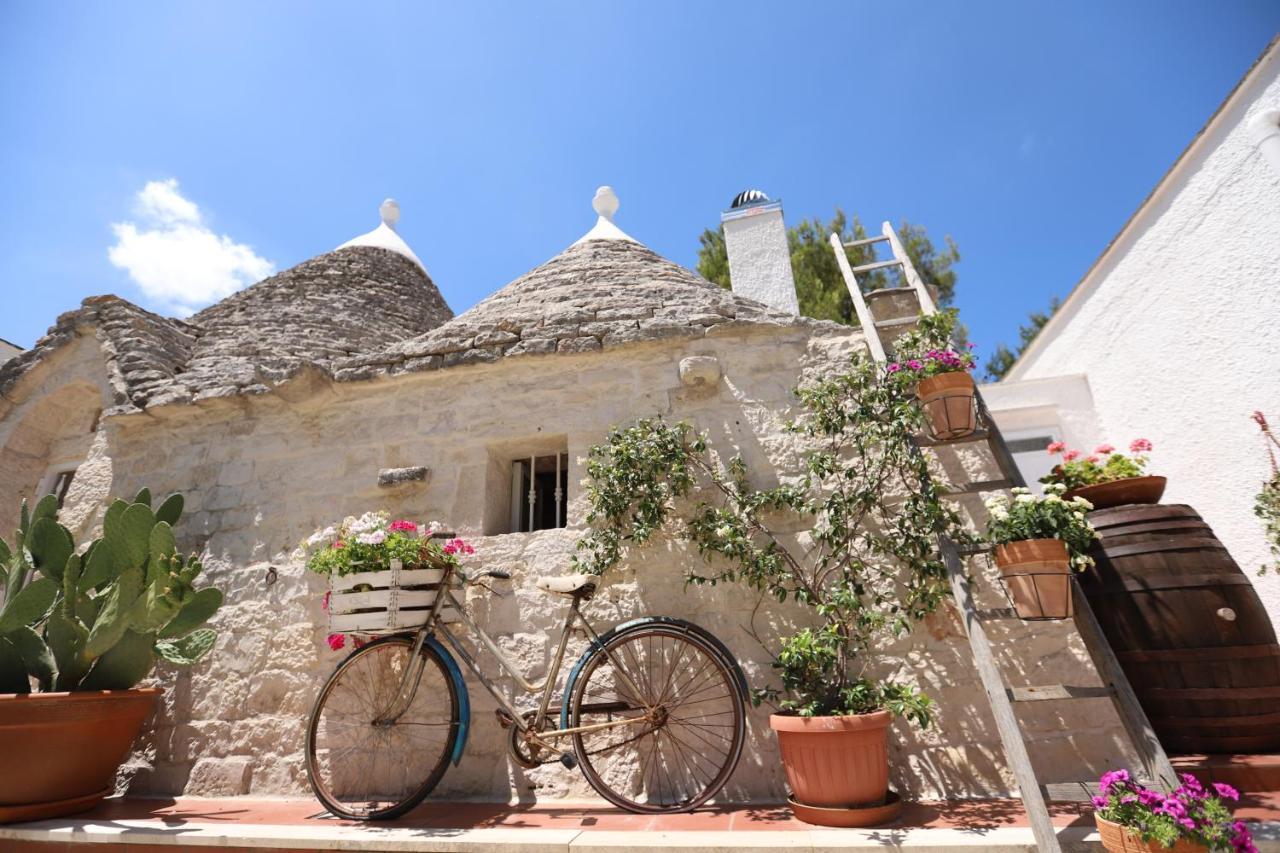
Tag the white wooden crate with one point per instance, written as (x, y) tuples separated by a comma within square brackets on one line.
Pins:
[(397, 599)]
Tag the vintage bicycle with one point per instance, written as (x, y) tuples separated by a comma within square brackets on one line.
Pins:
[(653, 712)]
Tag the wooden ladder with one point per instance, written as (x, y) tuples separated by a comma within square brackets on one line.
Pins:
[(1002, 697)]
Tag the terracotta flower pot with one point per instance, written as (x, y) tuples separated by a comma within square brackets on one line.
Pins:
[(1037, 573), (1120, 840), (947, 400), (1132, 490), (835, 762), (60, 751)]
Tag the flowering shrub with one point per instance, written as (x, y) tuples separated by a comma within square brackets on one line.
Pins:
[(1050, 517), (1102, 466), (1266, 506), (369, 544), (1190, 812), (932, 363)]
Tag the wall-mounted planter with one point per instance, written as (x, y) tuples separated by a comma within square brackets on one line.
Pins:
[(1132, 490), (1037, 574), (948, 403), (1117, 839), (61, 750)]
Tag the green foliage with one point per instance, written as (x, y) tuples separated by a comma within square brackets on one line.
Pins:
[(1003, 358), (369, 544), (95, 621), (871, 570), (1026, 516), (1267, 507), (819, 284), (1190, 815)]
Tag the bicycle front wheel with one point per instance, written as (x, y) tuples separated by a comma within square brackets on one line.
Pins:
[(665, 720), (363, 762)]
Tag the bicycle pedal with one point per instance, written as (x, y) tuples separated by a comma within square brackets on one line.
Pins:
[(569, 760), (504, 719)]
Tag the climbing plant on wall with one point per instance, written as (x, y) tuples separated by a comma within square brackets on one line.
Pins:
[(867, 561)]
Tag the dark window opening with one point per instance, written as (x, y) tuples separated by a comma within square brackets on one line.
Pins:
[(539, 492), (97, 419), (61, 484)]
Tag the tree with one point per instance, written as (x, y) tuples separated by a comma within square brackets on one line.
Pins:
[(1003, 358), (819, 285)]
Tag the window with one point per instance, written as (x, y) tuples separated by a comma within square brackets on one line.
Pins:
[(1028, 450), (61, 483), (539, 492)]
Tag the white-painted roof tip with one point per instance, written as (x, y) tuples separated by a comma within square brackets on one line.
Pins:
[(385, 236), (605, 204)]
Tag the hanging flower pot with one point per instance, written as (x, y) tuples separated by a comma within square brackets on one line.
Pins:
[(1037, 574), (838, 767), (1131, 490), (948, 402)]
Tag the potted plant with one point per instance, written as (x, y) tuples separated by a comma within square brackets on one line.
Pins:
[(1038, 541), (1266, 506), (1106, 478), (944, 388), (865, 571), (365, 558), (1135, 819), (78, 631)]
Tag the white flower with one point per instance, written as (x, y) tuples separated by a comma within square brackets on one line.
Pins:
[(1025, 498), (1053, 499), (375, 537), (999, 513), (1020, 490), (724, 531), (1077, 515), (1082, 503), (434, 527)]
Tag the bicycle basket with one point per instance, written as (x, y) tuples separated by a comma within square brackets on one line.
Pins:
[(385, 602)]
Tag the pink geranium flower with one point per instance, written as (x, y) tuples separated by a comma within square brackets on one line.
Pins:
[(401, 525), (336, 641), (1056, 447), (1094, 459), (324, 602), (1104, 449), (1071, 455), (458, 547), (1140, 445)]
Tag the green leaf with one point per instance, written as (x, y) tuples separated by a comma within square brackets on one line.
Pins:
[(189, 649), (135, 527), (170, 510), (13, 672), (123, 665), (70, 578), (113, 618), (46, 507), (5, 553), (35, 655), (113, 515), (50, 544), (29, 605), (143, 497), (194, 613), (99, 566), (66, 637)]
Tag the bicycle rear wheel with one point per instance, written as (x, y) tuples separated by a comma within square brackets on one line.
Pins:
[(363, 766), (688, 713)]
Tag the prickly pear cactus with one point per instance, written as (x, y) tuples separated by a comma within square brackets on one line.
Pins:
[(98, 619)]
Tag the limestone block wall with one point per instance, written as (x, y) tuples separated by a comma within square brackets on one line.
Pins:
[(261, 472)]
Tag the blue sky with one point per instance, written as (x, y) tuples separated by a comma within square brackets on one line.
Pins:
[(270, 132)]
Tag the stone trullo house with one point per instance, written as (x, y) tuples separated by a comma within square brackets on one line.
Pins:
[(346, 383)]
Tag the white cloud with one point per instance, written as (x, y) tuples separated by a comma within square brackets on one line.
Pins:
[(173, 256)]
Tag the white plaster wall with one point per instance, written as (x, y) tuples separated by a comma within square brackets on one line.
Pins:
[(260, 473), (1179, 330), (759, 259)]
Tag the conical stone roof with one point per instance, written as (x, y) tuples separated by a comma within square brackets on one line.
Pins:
[(597, 294)]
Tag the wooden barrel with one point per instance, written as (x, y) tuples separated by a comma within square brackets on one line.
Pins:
[(1188, 628)]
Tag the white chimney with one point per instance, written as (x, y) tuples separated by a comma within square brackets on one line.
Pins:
[(759, 259)]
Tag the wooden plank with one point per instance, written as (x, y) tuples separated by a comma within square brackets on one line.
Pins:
[(384, 579), (867, 241), (865, 319), (1157, 582), (381, 598), (877, 265), (991, 613), (1135, 721), (973, 437), (1015, 749), (909, 271), (1203, 653), (1049, 692), (1070, 792)]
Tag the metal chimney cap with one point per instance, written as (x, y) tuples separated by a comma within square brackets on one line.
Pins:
[(746, 198)]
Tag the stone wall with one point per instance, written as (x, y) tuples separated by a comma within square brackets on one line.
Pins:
[(262, 472)]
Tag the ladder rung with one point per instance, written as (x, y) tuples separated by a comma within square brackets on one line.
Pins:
[(997, 613), (970, 550), (1079, 792), (976, 435), (878, 265), (867, 241), (1058, 692), (897, 321), (982, 486)]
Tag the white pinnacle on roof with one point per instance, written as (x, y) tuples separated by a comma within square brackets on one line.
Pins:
[(605, 204), (385, 236)]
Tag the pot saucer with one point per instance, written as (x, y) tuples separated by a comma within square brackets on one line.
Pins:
[(849, 818)]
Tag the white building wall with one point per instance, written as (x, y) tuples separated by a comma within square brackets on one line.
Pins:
[(1177, 328)]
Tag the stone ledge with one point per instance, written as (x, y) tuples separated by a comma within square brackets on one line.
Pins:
[(399, 476)]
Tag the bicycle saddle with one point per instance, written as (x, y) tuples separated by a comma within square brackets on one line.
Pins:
[(565, 584)]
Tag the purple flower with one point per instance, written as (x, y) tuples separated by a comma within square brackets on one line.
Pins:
[(1099, 802), (895, 367), (1112, 778), (1150, 798), (914, 365), (1226, 791)]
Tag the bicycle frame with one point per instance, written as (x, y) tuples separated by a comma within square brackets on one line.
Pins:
[(433, 625)]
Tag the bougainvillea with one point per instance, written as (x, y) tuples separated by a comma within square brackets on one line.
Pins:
[(1189, 812)]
